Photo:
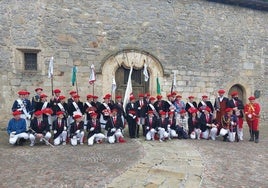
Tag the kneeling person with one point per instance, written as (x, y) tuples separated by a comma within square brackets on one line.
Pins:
[(17, 129), (94, 130), (77, 129), (59, 128)]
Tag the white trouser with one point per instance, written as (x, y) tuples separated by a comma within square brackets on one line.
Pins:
[(162, 133), (205, 134), (198, 133), (172, 133), (213, 133), (28, 120), (150, 134), (96, 137), (60, 138), (32, 137), (13, 138), (79, 136), (118, 134), (240, 133), (231, 136)]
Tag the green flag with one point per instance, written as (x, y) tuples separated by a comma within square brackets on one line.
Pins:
[(158, 86), (74, 70)]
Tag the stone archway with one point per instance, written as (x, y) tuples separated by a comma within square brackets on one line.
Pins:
[(124, 59), (241, 92)]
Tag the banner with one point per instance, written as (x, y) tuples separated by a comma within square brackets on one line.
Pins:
[(74, 71), (128, 89), (92, 77), (50, 67)]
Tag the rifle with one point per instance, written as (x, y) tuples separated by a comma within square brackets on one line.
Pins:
[(42, 139)]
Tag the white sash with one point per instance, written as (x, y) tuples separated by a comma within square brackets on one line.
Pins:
[(23, 107), (76, 107), (44, 105), (106, 106), (203, 103), (61, 107), (88, 104), (190, 104)]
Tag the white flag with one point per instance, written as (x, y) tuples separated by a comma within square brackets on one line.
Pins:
[(145, 72), (50, 67), (113, 85), (174, 81), (128, 89), (92, 77)]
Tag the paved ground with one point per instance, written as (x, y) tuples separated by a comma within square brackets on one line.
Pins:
[(176, 163)]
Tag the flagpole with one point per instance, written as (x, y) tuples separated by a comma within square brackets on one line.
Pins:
[(93, 88), (51, 79)]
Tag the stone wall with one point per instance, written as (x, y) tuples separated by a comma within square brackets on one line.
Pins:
[(209, 45)]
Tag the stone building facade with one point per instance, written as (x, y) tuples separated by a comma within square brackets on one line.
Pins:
[(207, 46)]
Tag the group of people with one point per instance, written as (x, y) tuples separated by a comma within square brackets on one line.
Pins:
[(69, 121)]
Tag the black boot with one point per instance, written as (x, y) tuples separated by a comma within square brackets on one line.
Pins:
[(225, 138), (251, 132), (256, 136)]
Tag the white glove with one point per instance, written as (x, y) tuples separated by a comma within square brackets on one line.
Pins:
[(92, 129), (55, 131), (78, 131), (113, 130), (29, 116), (232, 123), (168, 125), (85, 127), (147, 128), (13, 132), (64, 128), (134, 117), (249, 115)]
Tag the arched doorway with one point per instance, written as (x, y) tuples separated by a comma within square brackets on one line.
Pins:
[(118, 66)]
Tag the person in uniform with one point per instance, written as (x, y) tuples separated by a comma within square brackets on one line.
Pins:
[(182, 122), (16, 129), (89, 108), (229, 124), (160, 104), (94, 130), (75, 106), (120, 109), (238, 109), (220, 104), (150, 125), (172, 127), (190, 104), (114, 128), (24, 105), (36, 97), (131, 117), (208, 124), (39, 128), (162, 129), (59, 128), (252, 113), (194, 124), (105, 111), (54, 103), (179, 104), (71, 99), (141, 110), (77, 129), (62, 106)]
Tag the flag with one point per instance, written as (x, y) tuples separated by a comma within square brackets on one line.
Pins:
[(92, 77), (158, 86), (145, 72), (50, 67), (128, 89), (113, 85), (74, 71), (173, 87)]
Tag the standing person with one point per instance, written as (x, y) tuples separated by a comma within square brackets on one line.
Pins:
[(62, 106), (179, 104), (252, 112), (75, 106), (36, 97), (88, 108), (59, 128), (131, 117), (24, 105), (160, 104), (150, 125), (71, 99), (105, 111), (141, 110), (205, 103), (120, 109), (220, 105), (16, 129), (77, 129), (39, 128), (54, 102), (170, 103), (238, 109), (114, 128)]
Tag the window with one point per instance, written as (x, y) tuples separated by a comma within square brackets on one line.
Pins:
[(30, 61)]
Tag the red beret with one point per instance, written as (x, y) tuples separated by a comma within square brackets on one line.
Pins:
[(59, 113), (162, 113), (17, 112), (192, 110), (191, 97), (72, 92), (39, 88), (170, 112), (182, 111), (150, 112), (47, 111), (89, 96), (159, 96), (234, 93), (43, 95), (107, 96), (131, 98), (169, 95), (207, 109), (221, 91), (114, 110), (251, 98), (141, 95), (118, 97), (228, 109), (57, 91), (76, 96), (22, 92), (133, 112), (95, 97), (93, 114), (62, 97), (147, 95), (38, 113), (204, 96), (152, 99), (76, 116)]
